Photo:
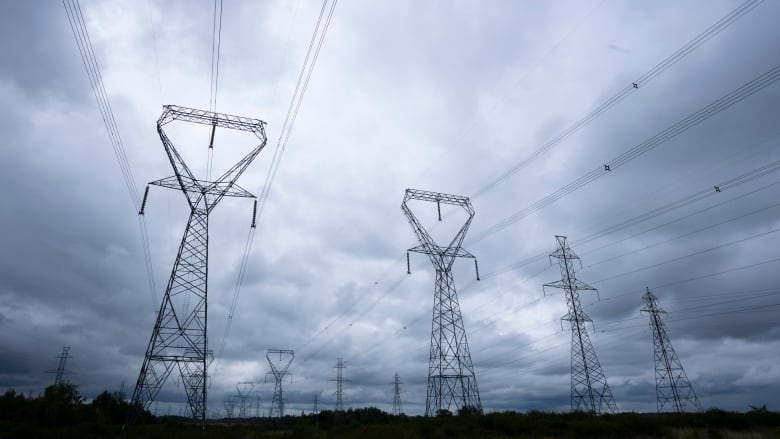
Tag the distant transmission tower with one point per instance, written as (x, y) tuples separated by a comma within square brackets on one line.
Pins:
[(316, 400), (179, 334), (589, 389), (243, 389), (451, 379), (397, 409), (671, 383), (60, 371), (339, 384), (230, 406), (279, 371)]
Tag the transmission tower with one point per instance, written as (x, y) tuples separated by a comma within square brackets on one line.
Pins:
[(671, 383), (279, 371), (589, 389), (230, 406), (339, 384), (243, 389), (451, 379), (60, 371), (316, 400), (397, 409), (179, 334)]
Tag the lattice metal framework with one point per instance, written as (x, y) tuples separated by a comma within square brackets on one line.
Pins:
[(589, 389), (339, 384), (179, 334), (397, 408), (279, 371), (451, 379), (672, 387), (60, 371), (230, 406), (243, 390)]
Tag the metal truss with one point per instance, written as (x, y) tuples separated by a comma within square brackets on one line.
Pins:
[(243, 390), (60, 371), (672, 386), (451, 379), (339, 384), (179, 334), (589, 389), (279, 371), (397, 408), (230, 406)]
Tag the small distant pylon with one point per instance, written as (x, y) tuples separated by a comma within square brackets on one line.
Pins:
[(279, 371), (671, 383), (397, 409), (60, 371), (121, 393), (339, 384), (243, 390), (589, 389), (316, 400), (230, 406)]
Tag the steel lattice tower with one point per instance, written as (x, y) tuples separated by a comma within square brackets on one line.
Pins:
[(179, 335), (671, 383), (279, 371), (243, 389), (397, 409), (339, 384), (230, 405), (60, 371), (451, 379), (589, 389)]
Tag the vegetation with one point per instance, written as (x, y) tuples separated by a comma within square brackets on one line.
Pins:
[(61, 412)]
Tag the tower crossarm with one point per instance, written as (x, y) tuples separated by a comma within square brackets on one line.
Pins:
[(221, 120), (280, 368), (208, 188), (210, 192), (569, 283), (442, 251), (427, 244), (455, 200)]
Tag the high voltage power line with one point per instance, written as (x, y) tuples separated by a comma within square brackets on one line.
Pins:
[(629, 89), (312, 53), (685, 201), (685, 235), (618, 161), (84, 44), (748, 89), (744, 178), (679, 203), (655, 71)]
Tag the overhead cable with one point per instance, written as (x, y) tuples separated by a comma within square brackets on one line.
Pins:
[(627, 90)]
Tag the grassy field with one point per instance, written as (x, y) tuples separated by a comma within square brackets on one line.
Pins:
[(61, 413)]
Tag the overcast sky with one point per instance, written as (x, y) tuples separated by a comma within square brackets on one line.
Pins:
[(439, 95)]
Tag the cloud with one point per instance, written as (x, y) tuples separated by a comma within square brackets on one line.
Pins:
[(406, 95)]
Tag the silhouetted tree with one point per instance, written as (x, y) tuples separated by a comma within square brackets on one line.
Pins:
[(61, 404)]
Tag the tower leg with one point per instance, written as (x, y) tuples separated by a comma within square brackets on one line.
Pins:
[(452, 383), (179, 335)]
